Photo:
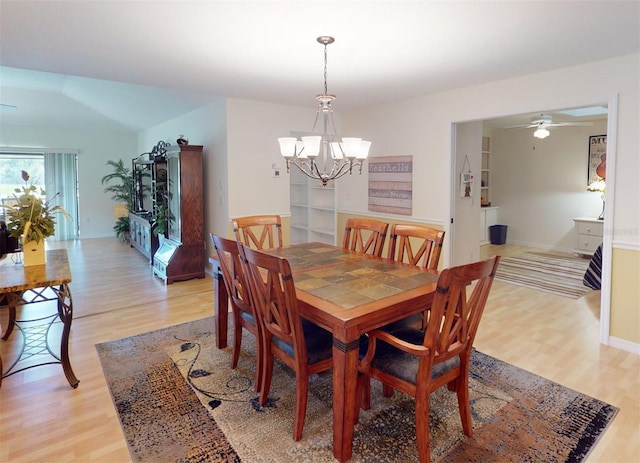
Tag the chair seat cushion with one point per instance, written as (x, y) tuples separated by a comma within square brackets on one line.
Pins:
[(403, 365), (411, 321), (318, 340), (248, 317)]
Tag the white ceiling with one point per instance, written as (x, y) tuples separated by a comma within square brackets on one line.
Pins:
[(135, 64)]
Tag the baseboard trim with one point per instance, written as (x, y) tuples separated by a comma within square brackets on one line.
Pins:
[(625, 345)]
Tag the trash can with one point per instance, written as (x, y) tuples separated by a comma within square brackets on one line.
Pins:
[(498, 234)]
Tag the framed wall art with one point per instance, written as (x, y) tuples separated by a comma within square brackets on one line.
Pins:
[(597, 158), (391, 184)]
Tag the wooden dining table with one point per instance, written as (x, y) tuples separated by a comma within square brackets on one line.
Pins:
[(348, 294)]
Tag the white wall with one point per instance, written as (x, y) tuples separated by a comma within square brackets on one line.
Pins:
[(95, 148), (466, 210), (205, 126), (254, 129), (540, 185), (422, 127), (240, 147)]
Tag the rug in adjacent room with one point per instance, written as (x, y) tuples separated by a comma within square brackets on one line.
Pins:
[(559, 274), (517, 416)]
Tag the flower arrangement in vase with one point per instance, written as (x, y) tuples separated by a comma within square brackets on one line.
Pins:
[(31, 219)]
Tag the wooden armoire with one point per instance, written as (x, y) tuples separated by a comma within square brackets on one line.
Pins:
[(181, 255)]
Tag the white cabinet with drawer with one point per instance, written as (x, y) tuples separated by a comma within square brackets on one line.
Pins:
[(589, 234)]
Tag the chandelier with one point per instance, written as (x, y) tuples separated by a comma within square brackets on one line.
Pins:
[(324, 157)]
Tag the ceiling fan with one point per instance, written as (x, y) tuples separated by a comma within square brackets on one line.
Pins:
[(542, 122)]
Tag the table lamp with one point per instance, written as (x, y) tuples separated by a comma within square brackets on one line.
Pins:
[(598, 185)]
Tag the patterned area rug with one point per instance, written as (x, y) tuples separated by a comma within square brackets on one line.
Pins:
[(179, 401), (559, 274)]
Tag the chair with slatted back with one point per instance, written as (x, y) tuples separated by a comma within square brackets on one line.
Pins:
[(415, 244), (418, 362), (301, 345), (365, 236), (244, 315), (259, 231), (418, 245)]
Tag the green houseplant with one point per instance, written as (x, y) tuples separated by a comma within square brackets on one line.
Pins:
[(31, 219), (120, 185)]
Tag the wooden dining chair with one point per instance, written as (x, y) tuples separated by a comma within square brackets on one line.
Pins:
[(418, 362), (243, 312), (365, 236), (415, 244), (418, 245), (301, 345), (259, 231)]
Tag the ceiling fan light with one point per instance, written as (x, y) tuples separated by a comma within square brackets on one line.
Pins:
[(541, 133)]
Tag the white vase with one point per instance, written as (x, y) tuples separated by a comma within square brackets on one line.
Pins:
[(33, 253)]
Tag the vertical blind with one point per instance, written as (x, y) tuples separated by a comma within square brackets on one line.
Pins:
[(61, 178)]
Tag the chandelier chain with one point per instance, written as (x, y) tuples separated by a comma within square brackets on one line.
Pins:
[(325, 69)]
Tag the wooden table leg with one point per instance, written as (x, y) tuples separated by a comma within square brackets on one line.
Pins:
[(221, 307), (65, 312), (345, 376)]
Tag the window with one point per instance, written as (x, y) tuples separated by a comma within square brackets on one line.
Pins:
[(52, 172)]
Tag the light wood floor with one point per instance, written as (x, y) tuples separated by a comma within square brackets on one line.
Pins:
[(43, 420)]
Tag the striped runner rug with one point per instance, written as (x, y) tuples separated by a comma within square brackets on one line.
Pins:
[(559, 274)]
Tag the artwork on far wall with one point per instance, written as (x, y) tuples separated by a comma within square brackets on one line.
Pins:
[(390, 184), (597, 157)]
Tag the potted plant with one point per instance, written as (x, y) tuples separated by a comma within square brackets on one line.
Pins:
[(121, 191), (31, 219), (160, 219)]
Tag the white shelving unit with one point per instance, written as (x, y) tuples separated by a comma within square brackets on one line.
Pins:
[(485, 180), (313, 209)]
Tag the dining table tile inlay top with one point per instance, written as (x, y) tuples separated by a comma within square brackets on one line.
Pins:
[(348, 284)]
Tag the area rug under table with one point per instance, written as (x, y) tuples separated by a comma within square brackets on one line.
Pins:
[(179, 401), (559, 274)]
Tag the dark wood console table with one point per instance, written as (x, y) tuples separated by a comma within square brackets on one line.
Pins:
[(21, 285)]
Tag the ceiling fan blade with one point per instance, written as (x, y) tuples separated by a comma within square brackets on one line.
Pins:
[(567, 124), (7, 107), (519, 126)]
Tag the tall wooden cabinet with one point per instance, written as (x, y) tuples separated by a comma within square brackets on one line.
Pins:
[(181, 255)]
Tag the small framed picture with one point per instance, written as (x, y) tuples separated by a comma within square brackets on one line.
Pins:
[(597, 158), (466, 179)]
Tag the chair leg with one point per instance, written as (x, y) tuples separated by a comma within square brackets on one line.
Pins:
[(462, 392), (259, 368), (365, 402), (237, 340), (387, 391), (302, 389), (422, 429), (363, 396), (267, 372)]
